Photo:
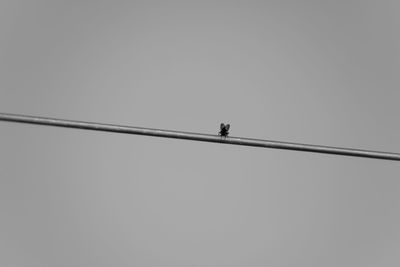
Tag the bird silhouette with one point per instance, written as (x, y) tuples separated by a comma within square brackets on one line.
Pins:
[(224, 129)]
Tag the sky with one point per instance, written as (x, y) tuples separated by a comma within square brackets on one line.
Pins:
[(318, 72)]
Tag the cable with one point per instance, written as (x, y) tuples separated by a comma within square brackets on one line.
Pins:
[(198, 137)]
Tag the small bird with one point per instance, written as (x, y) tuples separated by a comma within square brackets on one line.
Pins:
[(224, 130)]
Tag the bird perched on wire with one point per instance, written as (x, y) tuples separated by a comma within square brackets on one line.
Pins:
[(224, 129)]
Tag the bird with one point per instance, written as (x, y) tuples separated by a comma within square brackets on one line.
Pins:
[(224, 130)]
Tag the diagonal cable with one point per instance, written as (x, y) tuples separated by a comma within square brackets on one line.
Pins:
[(198, 137)]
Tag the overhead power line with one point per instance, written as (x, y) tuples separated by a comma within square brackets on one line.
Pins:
[(198, 137)]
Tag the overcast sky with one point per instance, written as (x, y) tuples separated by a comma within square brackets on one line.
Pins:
[(319, 72)]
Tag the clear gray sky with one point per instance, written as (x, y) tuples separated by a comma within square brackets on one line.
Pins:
[(320, 72)]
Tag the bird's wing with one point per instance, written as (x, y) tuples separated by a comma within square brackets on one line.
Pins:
[(222, 126), (227, 127)]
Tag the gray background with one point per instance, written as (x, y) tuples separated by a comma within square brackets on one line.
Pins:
[(321, 72)]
